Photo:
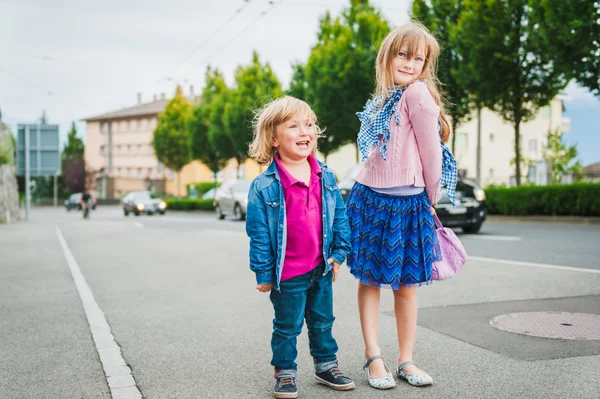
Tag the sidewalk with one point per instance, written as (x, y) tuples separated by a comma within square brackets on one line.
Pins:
[(545, 219)]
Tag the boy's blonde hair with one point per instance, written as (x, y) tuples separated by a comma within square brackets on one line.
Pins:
[(269, 117), (412, 37)]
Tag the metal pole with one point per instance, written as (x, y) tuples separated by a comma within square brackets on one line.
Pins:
[(55, 190), (479, 146), (27, 187)]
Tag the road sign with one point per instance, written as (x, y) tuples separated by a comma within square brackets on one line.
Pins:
[(38, 154), (44, 150)]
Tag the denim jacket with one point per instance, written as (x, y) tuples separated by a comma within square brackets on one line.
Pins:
[(267, 227)]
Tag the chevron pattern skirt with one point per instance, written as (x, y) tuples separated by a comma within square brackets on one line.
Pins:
[(393, 238)]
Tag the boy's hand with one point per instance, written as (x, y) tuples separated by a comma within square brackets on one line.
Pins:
[(336, 267), (264, 287)]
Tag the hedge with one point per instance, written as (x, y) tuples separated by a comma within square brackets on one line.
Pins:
[(202, 187), (579, 199), (187, 204)]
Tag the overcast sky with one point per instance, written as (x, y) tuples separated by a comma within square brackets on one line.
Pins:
[(79, 58)]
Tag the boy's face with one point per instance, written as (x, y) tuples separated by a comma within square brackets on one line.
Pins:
[(403, 69), (296, 138)]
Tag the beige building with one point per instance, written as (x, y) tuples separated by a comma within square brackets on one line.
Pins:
[(119, 152)]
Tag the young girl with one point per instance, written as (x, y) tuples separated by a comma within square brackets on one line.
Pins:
[(389, 208), (298, 230)]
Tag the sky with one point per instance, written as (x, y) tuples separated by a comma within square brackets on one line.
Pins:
[(80, 58)]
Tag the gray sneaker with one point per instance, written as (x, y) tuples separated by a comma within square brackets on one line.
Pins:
[(335, 379)]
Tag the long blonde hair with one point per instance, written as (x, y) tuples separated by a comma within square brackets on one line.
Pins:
[(268, 118), (412, 37)]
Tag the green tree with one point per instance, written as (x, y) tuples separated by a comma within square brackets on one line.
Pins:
[(571, 30), (255, 85), (514, 75), (73, 148), (441, 17), (563, 157), (170, 140), (339, 75), (200, 146)]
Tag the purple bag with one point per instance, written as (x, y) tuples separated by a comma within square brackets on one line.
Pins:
[(454, 255)]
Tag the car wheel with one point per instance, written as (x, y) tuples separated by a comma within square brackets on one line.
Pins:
[(237, 212), (125, 212), (136, 213), (220, 215), (68, 209), (472, 229), (162, 213)]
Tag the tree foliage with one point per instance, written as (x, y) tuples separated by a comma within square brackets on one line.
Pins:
[(255, 85), (200, 145), (73, 148), (339, 75), (563, 157), (441, 18), (514, 74), (170, 136), (571, 30)]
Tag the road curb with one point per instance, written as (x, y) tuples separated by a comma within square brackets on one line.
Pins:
[(592, 220)]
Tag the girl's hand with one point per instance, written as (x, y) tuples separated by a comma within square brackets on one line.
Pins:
[(336, 267), (264, 287), (432, 210)]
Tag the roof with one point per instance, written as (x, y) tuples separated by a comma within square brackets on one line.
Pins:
[(152, 108), (593, 169)]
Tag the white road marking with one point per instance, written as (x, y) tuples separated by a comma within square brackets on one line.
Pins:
[(138, 224), (118, 374), (531, 264), (493, 238)]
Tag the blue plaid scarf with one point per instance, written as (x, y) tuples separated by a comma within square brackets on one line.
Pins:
[(375, 121)]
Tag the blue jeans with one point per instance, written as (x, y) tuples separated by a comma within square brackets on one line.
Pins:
[(310, 297)]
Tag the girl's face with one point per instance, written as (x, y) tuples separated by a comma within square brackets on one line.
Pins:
[(296, 138), (403, 69)]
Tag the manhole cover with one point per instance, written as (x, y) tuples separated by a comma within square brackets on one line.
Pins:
[(557, 325)]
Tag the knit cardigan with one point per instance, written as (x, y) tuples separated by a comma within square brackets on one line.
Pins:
[(414, 153)]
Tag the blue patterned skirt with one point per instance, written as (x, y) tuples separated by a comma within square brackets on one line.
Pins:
[(393, 238)]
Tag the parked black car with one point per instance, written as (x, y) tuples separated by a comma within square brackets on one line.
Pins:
[(74, 202), (139, 202), (470, 211)]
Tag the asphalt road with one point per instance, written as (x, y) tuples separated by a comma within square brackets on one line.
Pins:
[(179, 299)]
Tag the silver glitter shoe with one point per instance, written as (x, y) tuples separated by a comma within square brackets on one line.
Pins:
[(418, 379), (385, 382)]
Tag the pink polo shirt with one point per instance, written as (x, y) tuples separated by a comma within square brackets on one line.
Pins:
[(304, 249)]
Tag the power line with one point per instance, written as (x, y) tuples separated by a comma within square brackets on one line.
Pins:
[(219, 29), (272, 5)]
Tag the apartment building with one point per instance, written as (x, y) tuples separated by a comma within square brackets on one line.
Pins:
[(118, 150)]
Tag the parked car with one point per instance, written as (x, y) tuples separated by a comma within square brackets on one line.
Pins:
[(470, 211), (232, 198), (210, 194), (139, 202), (74, 202)]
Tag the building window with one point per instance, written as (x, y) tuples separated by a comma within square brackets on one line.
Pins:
[(129, 126), (171, 174), (139, 124), (139, 149), (128, 172), (159, 167), (492, 173), (122, 126), (150, 149), (118, 172), (101, 150), (491, 137), (150, 173), (139, 173), (462, 142), (128, 149), (118, 149), (532, 145), (101, 127)]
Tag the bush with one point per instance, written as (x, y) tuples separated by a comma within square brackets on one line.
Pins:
[(188, 204), (201, 187), (579, 199)]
